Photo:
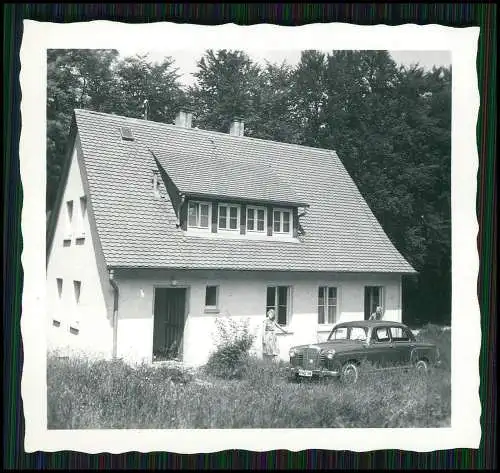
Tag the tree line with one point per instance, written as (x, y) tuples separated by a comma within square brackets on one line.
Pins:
[(389, 124)]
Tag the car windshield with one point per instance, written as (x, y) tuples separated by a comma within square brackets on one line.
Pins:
[(348, 333)]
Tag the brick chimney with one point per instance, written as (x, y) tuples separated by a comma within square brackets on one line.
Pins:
[(184, 118), (237, 127)]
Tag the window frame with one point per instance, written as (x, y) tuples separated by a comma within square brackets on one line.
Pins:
[(374, 336), (326, 306), (277, 305), (404, 330), (197, 227), (82, 212), (74, 323), (69, 213), (77, 289), (256, 209), (212, 308), (57, 316), (290, 221), (228, 207)]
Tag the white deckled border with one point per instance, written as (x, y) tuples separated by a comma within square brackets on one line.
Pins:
[(466, 409)]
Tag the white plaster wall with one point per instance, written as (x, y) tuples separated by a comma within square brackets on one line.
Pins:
[(92, 316), (241, 296)]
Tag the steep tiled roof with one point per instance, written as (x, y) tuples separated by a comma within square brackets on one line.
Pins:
[(138, 230)]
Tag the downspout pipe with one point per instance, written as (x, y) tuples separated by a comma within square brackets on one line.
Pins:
[(116, 294)]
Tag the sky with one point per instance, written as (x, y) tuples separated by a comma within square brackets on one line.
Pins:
[(186, 60)]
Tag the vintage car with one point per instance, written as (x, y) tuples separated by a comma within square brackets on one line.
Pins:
[(381, 343)]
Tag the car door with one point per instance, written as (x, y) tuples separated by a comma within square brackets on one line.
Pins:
[(380, 350), (403, 344)]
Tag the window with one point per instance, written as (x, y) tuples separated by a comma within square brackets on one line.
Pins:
[(282, 221), (126, 133), (83, 207), (381, 334), (327, 305), (57, 316), (198, 214), (278, 299), (81, 223), (348, 333), (69, 208), (256, 219), (400, 334), (339, 334), (358, 333), (374, 297), (229, 217), (211, 298), (77, 285), (69, 220)]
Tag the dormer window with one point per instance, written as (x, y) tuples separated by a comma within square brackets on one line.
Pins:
[(199, 215), (256, 219), (282, 221), (229, 217)]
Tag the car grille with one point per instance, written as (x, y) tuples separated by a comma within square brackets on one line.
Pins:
[(311, 358)]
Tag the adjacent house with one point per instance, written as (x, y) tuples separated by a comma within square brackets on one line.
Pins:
[(159, 229)]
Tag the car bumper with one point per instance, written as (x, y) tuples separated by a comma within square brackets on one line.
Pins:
[(298, 372)]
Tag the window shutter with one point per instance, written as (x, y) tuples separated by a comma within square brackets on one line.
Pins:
[(215, 216), (269, 220), (243, 219), (183, 215), (295, 213)]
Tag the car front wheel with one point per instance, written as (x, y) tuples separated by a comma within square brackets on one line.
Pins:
[(350, 373)]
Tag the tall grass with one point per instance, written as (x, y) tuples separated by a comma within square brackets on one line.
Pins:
[(90, 394)]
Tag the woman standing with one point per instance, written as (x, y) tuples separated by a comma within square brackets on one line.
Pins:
[(270, 347)]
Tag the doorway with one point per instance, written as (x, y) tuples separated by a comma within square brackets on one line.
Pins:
[(374, 296), (169, 321)]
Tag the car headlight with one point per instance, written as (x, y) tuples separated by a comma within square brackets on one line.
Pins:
[(330, 354), (292, 352)]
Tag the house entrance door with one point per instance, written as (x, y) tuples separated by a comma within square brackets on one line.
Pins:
[(169, 320)]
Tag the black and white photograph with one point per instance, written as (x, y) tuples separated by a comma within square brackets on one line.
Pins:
[(242, 238)]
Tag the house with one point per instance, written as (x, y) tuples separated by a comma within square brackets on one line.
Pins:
[(161, 228)]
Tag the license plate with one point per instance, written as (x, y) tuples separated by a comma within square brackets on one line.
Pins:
[(307, 373)]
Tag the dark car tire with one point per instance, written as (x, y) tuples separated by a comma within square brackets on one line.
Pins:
[(349, 373), (422, 366)]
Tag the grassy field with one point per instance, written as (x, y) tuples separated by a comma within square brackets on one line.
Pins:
[(90, 394)]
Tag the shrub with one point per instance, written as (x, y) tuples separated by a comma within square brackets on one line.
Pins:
[(233, 344), (441, 338)]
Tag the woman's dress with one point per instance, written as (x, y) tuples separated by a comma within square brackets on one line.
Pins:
[(269, 340)]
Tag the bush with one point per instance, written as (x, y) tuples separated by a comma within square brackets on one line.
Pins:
[(233, 344), (441, 338)]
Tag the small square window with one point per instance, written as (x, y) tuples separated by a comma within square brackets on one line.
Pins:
[(59, 287), (126, 133), (211, 298)]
